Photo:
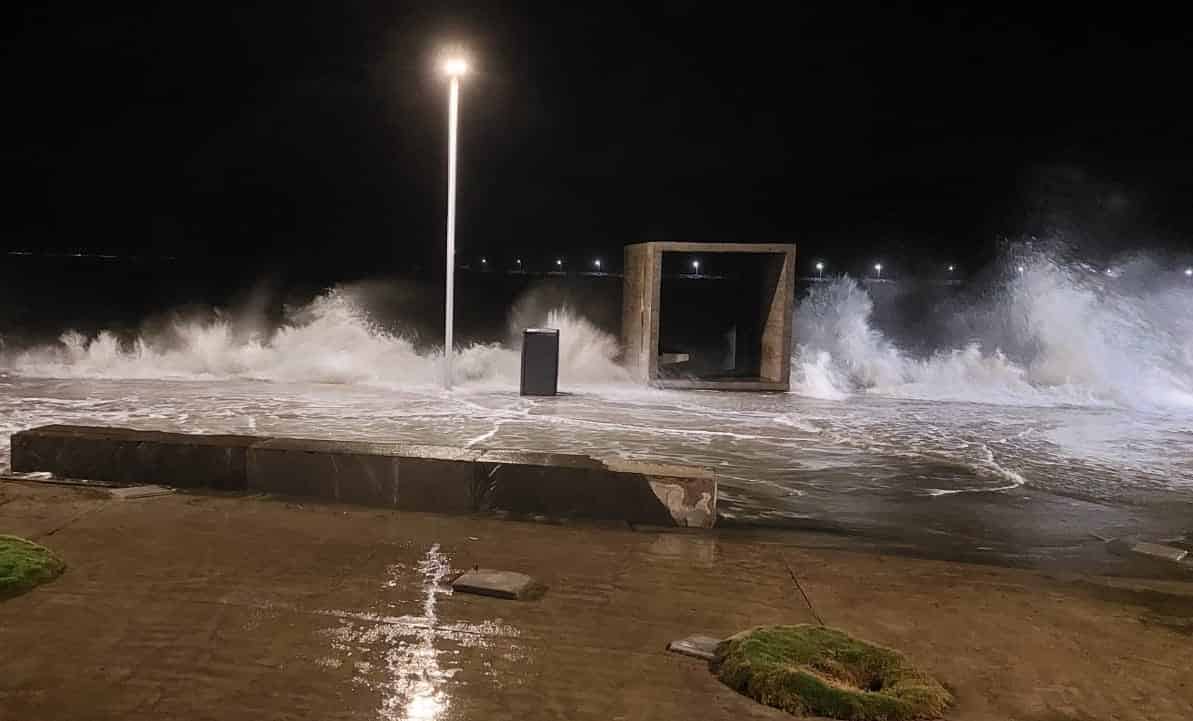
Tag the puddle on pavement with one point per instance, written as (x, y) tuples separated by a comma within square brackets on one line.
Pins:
[(413, 660), (684, 547)]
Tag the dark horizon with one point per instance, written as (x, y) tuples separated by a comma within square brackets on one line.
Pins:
[(311, 140)]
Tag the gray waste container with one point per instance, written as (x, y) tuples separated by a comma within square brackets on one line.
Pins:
[(540, 361)]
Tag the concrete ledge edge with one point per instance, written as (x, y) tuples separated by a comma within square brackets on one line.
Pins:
[(405, 476)]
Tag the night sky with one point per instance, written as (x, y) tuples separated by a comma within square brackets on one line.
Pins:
[(313, 136)]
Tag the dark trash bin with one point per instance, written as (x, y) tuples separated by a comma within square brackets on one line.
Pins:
[(540, 361)]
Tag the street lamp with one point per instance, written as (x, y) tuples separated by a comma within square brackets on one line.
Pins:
[(695, 266), (878, 271), (951, 268), (1189, 272), (559, 262), (597, 263), (820, 269), (1020, 269), (455, 67)]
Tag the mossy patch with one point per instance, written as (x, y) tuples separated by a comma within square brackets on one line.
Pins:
[(24, 564), (813, 670)]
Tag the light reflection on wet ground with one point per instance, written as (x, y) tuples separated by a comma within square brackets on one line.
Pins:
[(412, 661), (250, 609)]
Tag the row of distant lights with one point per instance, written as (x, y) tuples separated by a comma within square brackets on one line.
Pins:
[(951, 268), (877, 268), (596, 264)]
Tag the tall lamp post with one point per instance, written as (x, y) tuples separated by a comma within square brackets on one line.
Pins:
[(455, 67)]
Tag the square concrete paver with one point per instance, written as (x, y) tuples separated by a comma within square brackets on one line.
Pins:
[(701, 647), (499, 584)]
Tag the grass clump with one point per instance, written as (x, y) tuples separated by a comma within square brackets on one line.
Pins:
[(24, 564), (813, 670)]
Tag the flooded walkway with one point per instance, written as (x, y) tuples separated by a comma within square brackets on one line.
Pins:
[(196, 606)]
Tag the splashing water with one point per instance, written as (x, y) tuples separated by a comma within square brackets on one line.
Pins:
[(331, 340), (1056, 335)]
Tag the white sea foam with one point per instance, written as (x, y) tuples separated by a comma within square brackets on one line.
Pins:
[(331, 340), (1055, 334)]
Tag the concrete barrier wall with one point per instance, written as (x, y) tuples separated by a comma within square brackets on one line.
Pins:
[(402, 476), (406, 477), (125, 456)]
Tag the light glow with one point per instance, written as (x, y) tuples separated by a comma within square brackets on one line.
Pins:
[(455, 67), (424, 707)]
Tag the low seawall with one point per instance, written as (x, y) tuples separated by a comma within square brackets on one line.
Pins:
[(441, 479)]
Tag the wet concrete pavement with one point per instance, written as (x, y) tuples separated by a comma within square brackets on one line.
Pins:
[(210, 606)]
